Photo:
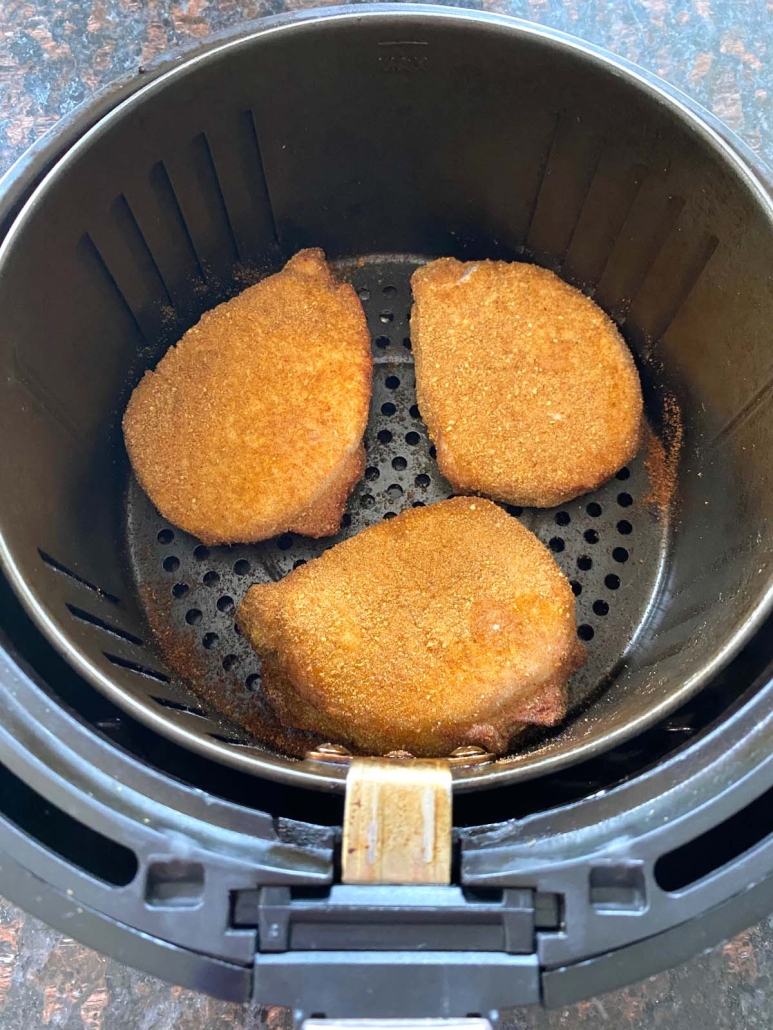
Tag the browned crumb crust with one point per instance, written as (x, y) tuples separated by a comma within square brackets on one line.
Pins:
[(323, 518), (527, 388), (445, 626), (252, 425)]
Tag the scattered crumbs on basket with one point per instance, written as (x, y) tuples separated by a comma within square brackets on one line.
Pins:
[(222, 691), (662, 455)]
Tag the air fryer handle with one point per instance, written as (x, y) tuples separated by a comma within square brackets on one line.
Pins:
[(374, 988)]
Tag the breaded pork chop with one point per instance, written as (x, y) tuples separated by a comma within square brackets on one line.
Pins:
[(447, 625), (252, 425), (528, 391)]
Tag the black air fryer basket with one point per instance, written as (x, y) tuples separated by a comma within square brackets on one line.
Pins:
[(387, 136)]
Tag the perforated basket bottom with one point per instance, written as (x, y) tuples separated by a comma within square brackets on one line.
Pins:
[(611, 544)]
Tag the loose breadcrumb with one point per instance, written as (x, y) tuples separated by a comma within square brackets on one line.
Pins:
[(662, 456)]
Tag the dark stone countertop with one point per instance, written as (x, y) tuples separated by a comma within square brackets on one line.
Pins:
[(53, 55)]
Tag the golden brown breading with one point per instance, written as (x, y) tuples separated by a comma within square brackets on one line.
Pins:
[(252, 425), (527, 388), (445, 626)]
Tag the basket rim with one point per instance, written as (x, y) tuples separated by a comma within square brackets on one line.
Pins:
[(733, 151)]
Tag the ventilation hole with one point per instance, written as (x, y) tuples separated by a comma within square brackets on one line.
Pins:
[(372, 473), (94, 620), (211, 578), (285, 542), (414, 411), (422, 479), (363, 294), (618, 888), (389, 291), (391, 382), (623, 474), (433, 451), (407, 343), (399, 463), (165, 536), (201, 553), (386, 317), (236, 629), (600, 607), (241, 567), (556, 544), (389, 515), (297, 564), (174, 885), (142, 670), (514, 509), (585, 632), (382, 341), (593, 509), (624, 527), (171, 564), (346, 520), (620, 554), (230, 661), (612, 582), (193, 616), (418, 504), (412, 438), (64, 836), (388, 408), (210, 640), (367, 501), (576, 587), (395, 490), (253, 681), (563, 518), (584, 562), (180, 589), (717, 847), (624, 500), (58, 567), (175, 706), (225, 603), (591, 536), (384, 436)]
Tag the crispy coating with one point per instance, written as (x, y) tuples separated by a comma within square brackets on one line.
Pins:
[(445, 626), (527, 388), (252, 425)]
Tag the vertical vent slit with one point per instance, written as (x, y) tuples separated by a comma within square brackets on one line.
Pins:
[(249, 117), (94, 620), (58, 567), (90, 245), (206, 151), (162, 183), (129, 214)]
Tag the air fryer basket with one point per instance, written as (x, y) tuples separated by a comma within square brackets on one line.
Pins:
[(387, 137)]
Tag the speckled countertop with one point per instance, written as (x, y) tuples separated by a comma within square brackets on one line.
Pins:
[(55, 54)]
